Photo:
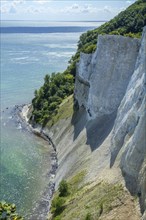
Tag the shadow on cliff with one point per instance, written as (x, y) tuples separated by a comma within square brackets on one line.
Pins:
[(96, 130)]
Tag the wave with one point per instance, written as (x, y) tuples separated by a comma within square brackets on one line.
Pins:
[(19, 58), (58, 54), (24, 60), (69, 46), (63, 29)]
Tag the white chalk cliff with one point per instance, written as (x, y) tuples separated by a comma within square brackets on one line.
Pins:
[(102, 77), (129, 133), (107, 135), (113, 79)]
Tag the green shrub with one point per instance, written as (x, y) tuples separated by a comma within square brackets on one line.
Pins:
[(57, 205), (88, 216), (8, 212), (63, 188)]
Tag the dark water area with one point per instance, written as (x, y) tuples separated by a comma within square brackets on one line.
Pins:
[(35, 30)]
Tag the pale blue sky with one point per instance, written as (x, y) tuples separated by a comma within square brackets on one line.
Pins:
[(67, 10)]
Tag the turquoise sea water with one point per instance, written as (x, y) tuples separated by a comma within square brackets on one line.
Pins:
[(25, 59)]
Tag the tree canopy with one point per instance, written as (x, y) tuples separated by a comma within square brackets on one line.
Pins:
[(48, 98)]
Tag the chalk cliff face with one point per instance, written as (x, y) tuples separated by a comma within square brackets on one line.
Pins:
[(113, 80), (129, 133), (102, 77)]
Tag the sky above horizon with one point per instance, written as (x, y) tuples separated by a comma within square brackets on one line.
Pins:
[(62, 10)]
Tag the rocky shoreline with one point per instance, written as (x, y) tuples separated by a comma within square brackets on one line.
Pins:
[(20, 113)]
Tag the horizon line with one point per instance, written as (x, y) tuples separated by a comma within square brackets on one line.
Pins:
[(59, 20)]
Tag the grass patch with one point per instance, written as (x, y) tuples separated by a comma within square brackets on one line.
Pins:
[(75, 181), (64, 194), (89, 202), (65, 111)]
